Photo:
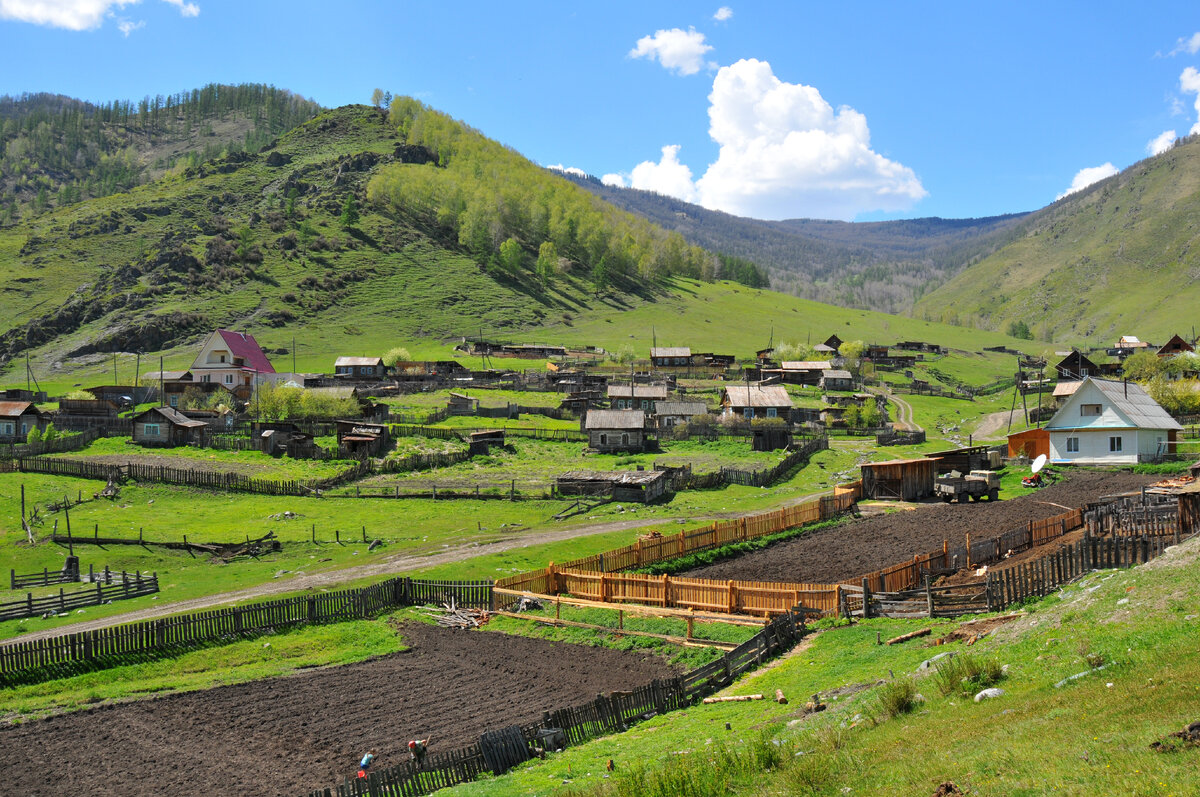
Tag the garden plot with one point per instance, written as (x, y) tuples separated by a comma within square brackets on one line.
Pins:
[(288, 736), (847, 551)]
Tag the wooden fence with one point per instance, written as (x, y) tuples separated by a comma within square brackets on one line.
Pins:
[(68, 575), (71, 442), (127, 587), (105, 646), (606, 714), (1132, 517)]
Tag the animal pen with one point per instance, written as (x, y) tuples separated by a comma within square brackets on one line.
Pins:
[(898, 479)]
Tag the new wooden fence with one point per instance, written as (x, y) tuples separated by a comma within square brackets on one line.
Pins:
[(127, 587), (107, 645), (576, 724)]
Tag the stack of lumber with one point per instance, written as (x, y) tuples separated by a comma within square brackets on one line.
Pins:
[(451, 616)]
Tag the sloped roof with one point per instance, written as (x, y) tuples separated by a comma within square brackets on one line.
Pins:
[(11, 409), (242, 344), (371, 362), (615, 419), (681, 408), (805, 365), (758, 396), (671, 351), (176, 417), (343, 392), (168, 376), (836, 374), (1066, 388), (1129, 401), (637, 391)]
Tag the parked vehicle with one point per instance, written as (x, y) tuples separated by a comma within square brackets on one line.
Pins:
[(975, 485)]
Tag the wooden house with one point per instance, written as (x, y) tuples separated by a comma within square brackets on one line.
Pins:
[(359, 440), (615, 430), (88, 408), (671, 356), (164, 427), (1130, 343), (639, 486), (23, 394), (823, 350), (18, 418), (763, 356), (674, 413), (898, 479), (1110, 423), (836, 380), (368, 369), (636, 397), (580, 401), (800, 372), (710, 360), (757, 401), (1176, 345), (834, 342), (1075, 366)]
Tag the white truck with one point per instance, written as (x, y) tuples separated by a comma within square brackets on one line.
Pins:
[(975, 485)]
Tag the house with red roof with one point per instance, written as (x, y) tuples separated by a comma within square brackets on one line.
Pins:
[(232, 359)]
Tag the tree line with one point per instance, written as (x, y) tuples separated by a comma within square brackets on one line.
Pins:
[(516, 218)]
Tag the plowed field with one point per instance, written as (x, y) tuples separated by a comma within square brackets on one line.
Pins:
[(851, 550), (288, 736)]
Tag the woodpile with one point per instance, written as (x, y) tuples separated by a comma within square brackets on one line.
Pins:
[(449, 615)]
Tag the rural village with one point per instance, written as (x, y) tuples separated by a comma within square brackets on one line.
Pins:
[(642, 400)]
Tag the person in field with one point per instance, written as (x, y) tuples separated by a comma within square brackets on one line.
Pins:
[(417, 749), (365, 764)]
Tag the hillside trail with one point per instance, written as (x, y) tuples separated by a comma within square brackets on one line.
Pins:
[(904, 412), (392, 565), (991, 424)]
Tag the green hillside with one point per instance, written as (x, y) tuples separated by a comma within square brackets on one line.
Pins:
[(1117, 258)]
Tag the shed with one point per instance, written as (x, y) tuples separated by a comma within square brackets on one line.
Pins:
[(963, 460), (1031, 443), (898, 479), (615, 430), (166, 427), (88, 408), (771, 438), (282, 437), (361, 440), (480, 442), (641, 486), (462, 404)]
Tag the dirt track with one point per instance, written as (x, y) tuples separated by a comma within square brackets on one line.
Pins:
[(848, 551), (288, 736)]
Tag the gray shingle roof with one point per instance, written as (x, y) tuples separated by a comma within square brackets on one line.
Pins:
[(671, 351), (637, 391), (681, 408), (1133, 402), (758, 396), (615, 419)]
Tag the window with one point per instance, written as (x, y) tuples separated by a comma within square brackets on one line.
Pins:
[(174, 401), (206, 378), (24, 427), (645, 404), (229, 379), (1114, 444), (6, 429), (1083, 372), (748, 412), (603, 439), (625, 439), (771, 412), (151, 429), (1072, 445), (1089, 409)]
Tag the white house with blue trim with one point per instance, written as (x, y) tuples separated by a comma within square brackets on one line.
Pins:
[(1109, 423)]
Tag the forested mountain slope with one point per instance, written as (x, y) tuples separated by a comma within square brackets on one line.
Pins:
[(883, 266), (56, 150), (1119, 257)]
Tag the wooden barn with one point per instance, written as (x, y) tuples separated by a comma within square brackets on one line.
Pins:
[(361, 440), (166, 427), (462, 404), (640, 486), (1031, 443), (898, 479), (963, 460), (673, 413), (836, 379)]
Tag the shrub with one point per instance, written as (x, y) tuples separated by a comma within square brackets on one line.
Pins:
[(895, 698), (966, 674)]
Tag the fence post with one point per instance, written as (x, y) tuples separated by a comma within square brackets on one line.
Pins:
[(928, 595), (866, 599)]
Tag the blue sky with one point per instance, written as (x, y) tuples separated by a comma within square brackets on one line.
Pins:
[(777, 110)]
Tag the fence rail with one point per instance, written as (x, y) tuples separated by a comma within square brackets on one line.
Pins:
[(126, 588), (165, 634)]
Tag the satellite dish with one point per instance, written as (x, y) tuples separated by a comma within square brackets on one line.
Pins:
[(1039, 463)]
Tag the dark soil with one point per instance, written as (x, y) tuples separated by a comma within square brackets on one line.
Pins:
[(288, 736), (849, 551)]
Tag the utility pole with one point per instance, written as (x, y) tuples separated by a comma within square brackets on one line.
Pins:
[(115, 380), (161, 382), (293, 354)]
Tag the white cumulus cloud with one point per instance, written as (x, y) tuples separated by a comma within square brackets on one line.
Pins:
[(1189, 83), (128, 26), (575, 170), (79, 14), (784, 153), (668, 176), (1161, 143), (615, 180), (723, 13), (1085, 177), (1190, 45), (680, 51)]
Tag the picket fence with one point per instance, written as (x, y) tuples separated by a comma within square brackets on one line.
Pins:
[(106, 646), (577, 724)]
